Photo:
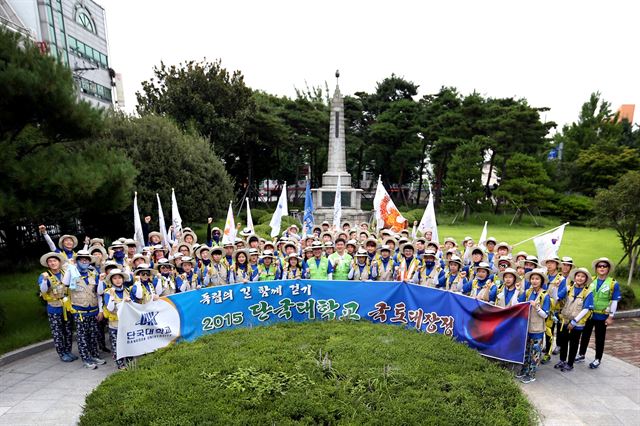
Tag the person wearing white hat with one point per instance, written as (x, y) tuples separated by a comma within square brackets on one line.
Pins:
[(217, 271), (117, 250), (406, 265), (384, 265), (188, 279), (292, 268), (340, 260), (214, 234), (360, 267), (318, 267), (254, 256), (66, 243), (503, 262), (228, 255), (606, 294), (55, 293), (481, 286), (510, 291), (143, 290), (490, 244), (566, 265), (455, 278), (99, 254), (429, 273), (131, 250), (85, 307), (540, 303), (164, 283), (113, 297), (267, 269), (573, 316), (477, 255)]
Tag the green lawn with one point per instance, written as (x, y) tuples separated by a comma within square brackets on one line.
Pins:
[(323, 372)]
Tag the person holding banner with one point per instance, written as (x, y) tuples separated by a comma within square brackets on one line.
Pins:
[(576, 311), (143, 290), (240, 271), (53, 291), (481, 286), (383, 266), (428, 274), (318, 267), (217, 271), (454, 279), (510, 292), (606, 294), (165, 283), (540, 303), (113, 297), (292, 269)]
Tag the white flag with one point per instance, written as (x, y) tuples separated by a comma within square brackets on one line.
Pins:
[(548, 245), (249, 218), (387, 214), (337, 206), (161, 223), (229, 235), (281, 210), (176, 220), (483, 236), (138, 235), (428, 221)]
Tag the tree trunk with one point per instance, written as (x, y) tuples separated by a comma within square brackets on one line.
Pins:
[(632, 264)]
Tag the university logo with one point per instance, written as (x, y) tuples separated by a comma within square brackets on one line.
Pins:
[(148, 318)]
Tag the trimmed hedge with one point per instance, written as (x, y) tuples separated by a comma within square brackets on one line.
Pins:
[(312, 373)]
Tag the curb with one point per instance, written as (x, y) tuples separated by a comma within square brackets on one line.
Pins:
[(24, 352), (633, 313)]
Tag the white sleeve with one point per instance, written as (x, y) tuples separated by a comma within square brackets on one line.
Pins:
[(159, 286), (330, 276), (66, 278), (541, 313), (101, 288), (44, 285), (49, 241), (138, 290), (613, 308), (581, 315), (111, 305), (351, 272)]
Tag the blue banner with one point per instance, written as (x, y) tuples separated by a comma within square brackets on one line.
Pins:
[(495, 332)]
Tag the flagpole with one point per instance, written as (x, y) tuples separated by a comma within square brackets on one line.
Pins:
[(545, 232)]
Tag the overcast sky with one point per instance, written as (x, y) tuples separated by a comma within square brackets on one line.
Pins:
[(553, 53)]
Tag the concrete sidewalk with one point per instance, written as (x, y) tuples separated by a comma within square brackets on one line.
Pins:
[(609, 395), (42, 390)]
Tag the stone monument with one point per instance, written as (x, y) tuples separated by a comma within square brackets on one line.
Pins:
[(323, 197)]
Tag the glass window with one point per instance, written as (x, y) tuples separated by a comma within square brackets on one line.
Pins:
[(72, 43), (83, 18)]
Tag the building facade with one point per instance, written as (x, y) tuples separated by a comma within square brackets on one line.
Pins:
[(75, 32)]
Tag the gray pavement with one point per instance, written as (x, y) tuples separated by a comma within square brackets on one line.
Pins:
[(609, 395), (42, 390)]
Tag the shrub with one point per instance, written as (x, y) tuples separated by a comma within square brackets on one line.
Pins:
[(312, 373), (628, 300), (574, 208)]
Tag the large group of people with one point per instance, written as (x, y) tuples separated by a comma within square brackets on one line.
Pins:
[(85, 287)]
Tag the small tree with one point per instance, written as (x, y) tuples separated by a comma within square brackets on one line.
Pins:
[(463, 185), (618, 207), (526, 185)]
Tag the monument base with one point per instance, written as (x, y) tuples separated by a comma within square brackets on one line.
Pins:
[(324, 198)]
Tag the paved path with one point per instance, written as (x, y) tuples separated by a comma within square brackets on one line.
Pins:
[(609, 395), (41, 390)]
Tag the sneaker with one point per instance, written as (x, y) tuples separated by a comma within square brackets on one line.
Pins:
[(560, 364), (520, 375), (579, 358), (566, 368), (545, 359), (98, 361), (595, 364), (90, 365), (556, 351), (66, 358), (72, 356), (528, 379)]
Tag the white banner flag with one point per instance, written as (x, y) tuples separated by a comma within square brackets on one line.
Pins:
[(229, 235), (138, 235), (176, 220), (428, 221), (337, 206), (146, 328), (162, 225), (483, 236), (281, 210), (548, 245), (387, 214), (249, 218)]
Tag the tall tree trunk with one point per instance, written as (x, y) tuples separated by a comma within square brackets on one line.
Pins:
[(633, 260)]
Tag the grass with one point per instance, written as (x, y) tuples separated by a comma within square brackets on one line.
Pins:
[(25, 314), (312, 373)]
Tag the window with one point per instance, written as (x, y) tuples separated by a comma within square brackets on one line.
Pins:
[(83, 17), (89, 53), (95, 90)]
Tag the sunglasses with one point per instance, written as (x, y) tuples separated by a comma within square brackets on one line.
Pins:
[(144, 274), (603, 265)]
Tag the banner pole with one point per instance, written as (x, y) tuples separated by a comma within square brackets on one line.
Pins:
[(545, 232)]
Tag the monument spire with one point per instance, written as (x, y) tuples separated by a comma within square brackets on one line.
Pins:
[(336, 161)]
